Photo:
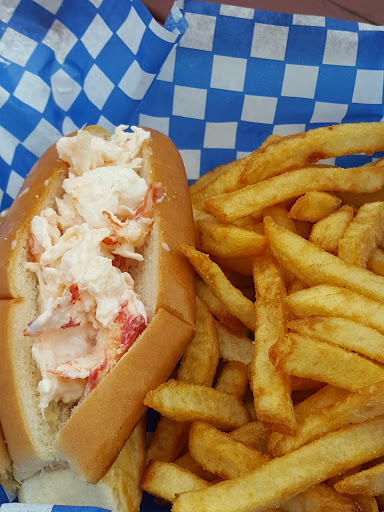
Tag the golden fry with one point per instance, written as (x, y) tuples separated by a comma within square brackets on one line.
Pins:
[(324, 300), (315, 266), (218, 309), (254, 198), (167, 441), (166, 480), (353, 409), (363, 234), (376, 262), (287, 476), (233, 347), (314, 206), (254, 433), (189, 402), (327, 232), (369, 482), (296, 151), (199, 362), (228, 240), (344, 333), (221, 453), (215, 279), (271, 387), (308, 357), (233, 379)]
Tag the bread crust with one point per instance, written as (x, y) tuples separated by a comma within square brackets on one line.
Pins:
[(99, 427)]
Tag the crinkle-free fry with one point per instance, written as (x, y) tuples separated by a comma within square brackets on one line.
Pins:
[(190, 402), (300, 150), (353, 409), (233, 379), (369, 482), (342, 332), (254, 198), (215, 279), (222, 454), (270, 386), (363, 234), (200, 359), (282, 478), (304, 356), (327, 232), (166, 480), (315, 266), (333, 301), (314, 206)]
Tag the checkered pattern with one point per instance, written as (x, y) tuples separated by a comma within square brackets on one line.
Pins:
[(237, 76), (65, 63)]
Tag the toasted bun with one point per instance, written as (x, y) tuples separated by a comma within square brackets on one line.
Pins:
[(119, 490), (90, 436)]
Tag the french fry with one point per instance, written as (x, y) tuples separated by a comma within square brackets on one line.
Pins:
[(190, 402), (296, 286), (366, 503), (324, 300), (233, 379), (199, 362), (363, 234), (321, 498), (369, 482), (255, 434), (271, 388), (167, 441), (220, 453), (228, 240), (217, 308), (280, 215), (198, 366), (233, 347), (251, 223), (166, 480), (308, 357), (327, 232), (186, 461), (314, 206), (208, 177), (215, 279), (353, 409), (342, 332), (315, 266), (337, 478), (284, 477), (376, 262), (323, 398), (254, 198), (297, 151)]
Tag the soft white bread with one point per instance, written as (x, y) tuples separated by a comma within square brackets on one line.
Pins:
[(119, 490), (90, 436)]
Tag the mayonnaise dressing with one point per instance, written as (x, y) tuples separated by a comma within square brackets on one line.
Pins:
[(89, 311)]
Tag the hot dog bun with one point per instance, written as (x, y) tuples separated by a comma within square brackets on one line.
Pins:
[(90, 436), (119, 490)]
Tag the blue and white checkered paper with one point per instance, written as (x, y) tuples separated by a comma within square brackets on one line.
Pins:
[(218, 88)]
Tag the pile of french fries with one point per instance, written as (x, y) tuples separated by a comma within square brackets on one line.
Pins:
[(278, 402)]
